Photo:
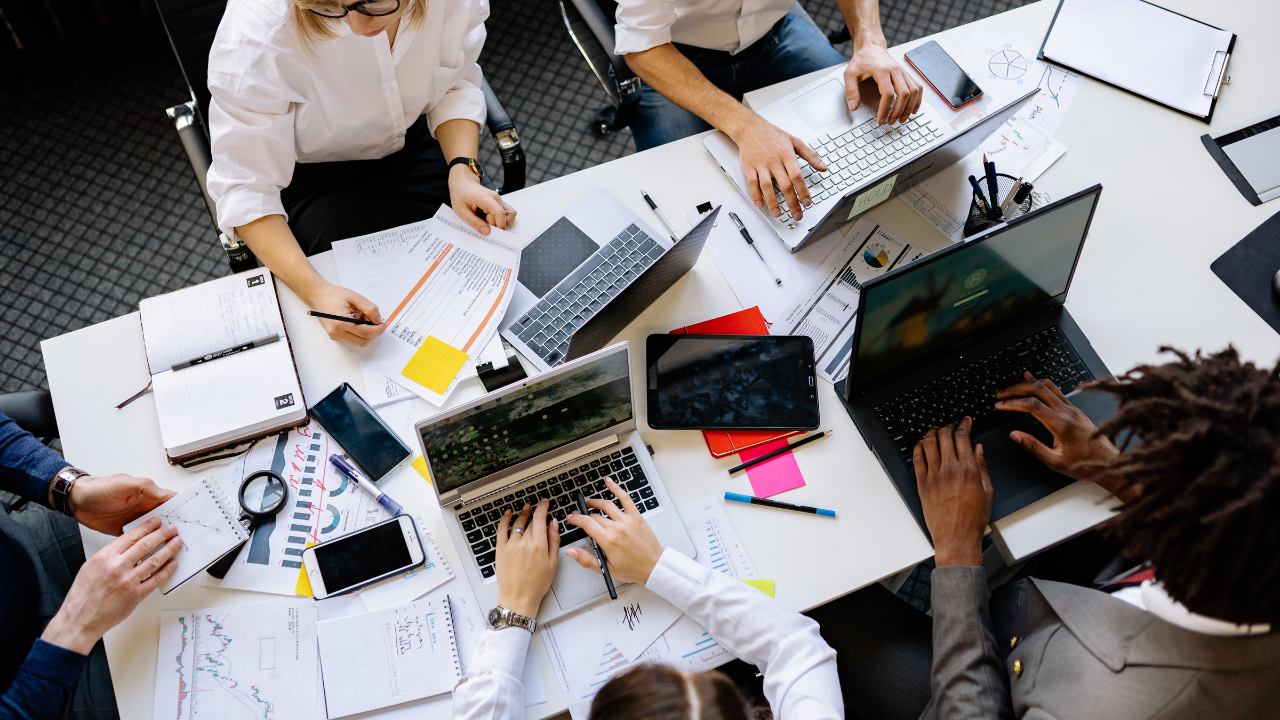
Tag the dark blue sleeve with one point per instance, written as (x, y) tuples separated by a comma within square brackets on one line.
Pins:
[(26, 466), (43, 685)]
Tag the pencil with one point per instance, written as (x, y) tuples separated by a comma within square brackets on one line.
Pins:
[(779, 451), (340, 318)]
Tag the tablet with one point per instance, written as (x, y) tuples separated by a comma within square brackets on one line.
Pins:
[(731, 382)]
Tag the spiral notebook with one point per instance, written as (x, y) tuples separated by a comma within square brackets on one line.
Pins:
[(208, 523), (387, 657)]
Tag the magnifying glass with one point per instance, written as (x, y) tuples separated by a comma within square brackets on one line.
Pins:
[(262, 495)]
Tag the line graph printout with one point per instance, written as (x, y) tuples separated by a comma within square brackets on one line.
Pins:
[(1004, 65), (206, 519), (244, 662)]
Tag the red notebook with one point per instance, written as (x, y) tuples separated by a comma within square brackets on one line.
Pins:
[(743, 322)]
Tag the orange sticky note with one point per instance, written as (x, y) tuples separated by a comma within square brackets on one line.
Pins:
[(435, 364), (304, 584), (421, 466), (764, 586)]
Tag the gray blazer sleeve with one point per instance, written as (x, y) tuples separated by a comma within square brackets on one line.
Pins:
[(968, 678)]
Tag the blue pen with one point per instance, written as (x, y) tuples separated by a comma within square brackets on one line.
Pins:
[(383, 499), (977, 188), (992, 182), (780, 505)]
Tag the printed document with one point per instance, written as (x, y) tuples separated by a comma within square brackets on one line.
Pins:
[(207, 520), (1005, 66)]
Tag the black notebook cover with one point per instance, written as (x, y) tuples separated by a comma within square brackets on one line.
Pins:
[(1247, 268)]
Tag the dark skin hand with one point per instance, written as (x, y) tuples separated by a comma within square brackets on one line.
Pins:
[(955, 492)]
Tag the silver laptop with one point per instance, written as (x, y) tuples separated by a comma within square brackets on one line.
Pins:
[(867, 163), (549, 436)]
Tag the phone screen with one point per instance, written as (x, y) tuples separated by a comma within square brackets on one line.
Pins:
[(944, 75), (363, 556), (374, 448)]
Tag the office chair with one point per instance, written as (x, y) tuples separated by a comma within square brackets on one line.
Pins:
[(32, 410), (590, 25), (191, 25)]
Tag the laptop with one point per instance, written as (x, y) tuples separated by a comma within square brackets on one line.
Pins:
[(939, 337), (867, 163), (590, 274), (548, 436)]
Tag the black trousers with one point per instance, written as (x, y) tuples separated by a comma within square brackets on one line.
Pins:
[(337, 200)]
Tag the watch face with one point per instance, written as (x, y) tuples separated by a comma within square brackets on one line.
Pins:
[(495, 615)]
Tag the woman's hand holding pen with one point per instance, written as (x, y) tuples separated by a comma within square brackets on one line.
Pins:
[(627, 540), (337, 300), (527, 555)]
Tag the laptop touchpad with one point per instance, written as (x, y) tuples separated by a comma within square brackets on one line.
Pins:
[(574, 584), (1016, 476)]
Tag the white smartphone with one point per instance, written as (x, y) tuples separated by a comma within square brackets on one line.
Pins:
[(364, 557)]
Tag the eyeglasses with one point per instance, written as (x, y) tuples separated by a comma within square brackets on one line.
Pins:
[(372, 8)]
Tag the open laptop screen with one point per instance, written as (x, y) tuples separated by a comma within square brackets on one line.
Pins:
[(510, 429), (937, 302)]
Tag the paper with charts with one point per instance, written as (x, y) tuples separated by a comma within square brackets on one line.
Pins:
[(243, 662), (584, 658), (1004, 65), (207, 520), (452, 288), (826, 308)]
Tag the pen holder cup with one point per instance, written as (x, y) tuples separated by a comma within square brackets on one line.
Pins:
[(978, 221)]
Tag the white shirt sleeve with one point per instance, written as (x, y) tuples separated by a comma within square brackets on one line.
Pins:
[(492, 689), (800, 679), (464, 99), (253, 153), (643, 24)]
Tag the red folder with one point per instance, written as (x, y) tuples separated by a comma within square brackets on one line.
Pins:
[(743, 322)]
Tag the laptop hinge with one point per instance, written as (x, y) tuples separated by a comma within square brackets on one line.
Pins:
[(552, 464)]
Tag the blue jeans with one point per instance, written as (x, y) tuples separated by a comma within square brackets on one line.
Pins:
[(790, 49)]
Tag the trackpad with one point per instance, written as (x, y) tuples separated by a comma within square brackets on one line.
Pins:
[(573, 584), (1017, 477)]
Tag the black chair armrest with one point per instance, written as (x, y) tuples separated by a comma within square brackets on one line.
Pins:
[(504, 133), (32, 410), (591, 30)]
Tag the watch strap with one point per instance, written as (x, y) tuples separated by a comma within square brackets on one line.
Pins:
[(472, 163), (60, 494), (501, 617)]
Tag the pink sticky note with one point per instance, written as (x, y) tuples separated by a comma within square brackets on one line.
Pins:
[(774, 475)]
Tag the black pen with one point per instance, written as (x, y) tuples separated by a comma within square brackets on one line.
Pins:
[(229, 351), (779, 451), (341, 318), (747, 236), (654, 206), (604, 564)]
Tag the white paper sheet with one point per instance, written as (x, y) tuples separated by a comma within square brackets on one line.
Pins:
[(1005, 66), (633, 621), (715, 540), (207, 522), (246, 661)]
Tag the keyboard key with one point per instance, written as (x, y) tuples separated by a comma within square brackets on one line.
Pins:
[(584, 468), (646, 492), (635, 498), (651, 504), (489, 530), (563, 476), (630, 460), (616, 465), (486, 571), (636, 484), (487, 558), (468, 525), (480, 547), (464, 515), (475, 536)]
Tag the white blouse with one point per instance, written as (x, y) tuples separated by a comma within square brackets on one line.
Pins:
[(730, 25), (800, 679), (276, 102)]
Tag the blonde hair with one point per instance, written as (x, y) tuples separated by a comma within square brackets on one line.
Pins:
[(313, 28)]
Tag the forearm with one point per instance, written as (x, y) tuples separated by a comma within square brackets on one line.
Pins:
[(863, 19), (26, 466), (273, 243), (967, 680), (664, 69), (491, 689), (458, 138), (43, 684)]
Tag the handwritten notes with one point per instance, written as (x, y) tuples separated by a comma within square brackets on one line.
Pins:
[(634, 620)]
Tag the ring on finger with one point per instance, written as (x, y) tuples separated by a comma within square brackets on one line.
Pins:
[(517, 529)]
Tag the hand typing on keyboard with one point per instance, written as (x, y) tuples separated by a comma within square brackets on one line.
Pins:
[(900, 93), (627, 540), (768, 156), (528, 552)]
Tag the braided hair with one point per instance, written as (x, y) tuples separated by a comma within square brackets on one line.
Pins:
[(1205, 480)]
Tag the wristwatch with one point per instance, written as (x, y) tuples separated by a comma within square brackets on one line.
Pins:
[(501, 617), (60, 493), (472, 163)]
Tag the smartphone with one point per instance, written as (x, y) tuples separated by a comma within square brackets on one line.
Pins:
[(363, 557), (942, 73), (373, 446)]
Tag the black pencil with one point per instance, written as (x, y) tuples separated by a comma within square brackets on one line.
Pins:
[(604, 563), (340, 318), (779, 451)]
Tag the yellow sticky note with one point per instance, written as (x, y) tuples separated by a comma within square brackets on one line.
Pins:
[(764, 586), (421, 466), (304, 585), (435, 364)]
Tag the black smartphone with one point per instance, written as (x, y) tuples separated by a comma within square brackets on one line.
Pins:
[(942, 73), (731, 382), (374, 448)]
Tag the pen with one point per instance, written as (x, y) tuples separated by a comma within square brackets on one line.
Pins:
[(747, 236), (229, 351), (780, 505), (779, 451), (977, 188), (654, 206), (1023, 192), (383, 499), (1013, 192), (340, 318), (993, 183), (604, 564)]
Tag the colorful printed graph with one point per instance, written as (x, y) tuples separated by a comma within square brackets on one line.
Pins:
[(876, 258), (206, 685)]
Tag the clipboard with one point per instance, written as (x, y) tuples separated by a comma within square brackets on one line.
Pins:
[(1144, 49)]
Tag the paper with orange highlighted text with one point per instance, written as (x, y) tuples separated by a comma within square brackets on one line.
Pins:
[(453, 286)]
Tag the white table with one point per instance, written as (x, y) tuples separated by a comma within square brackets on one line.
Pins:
[(1144, 281)]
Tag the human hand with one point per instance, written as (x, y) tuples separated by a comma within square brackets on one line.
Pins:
[(527, 559), (112, 583), (955, 492), (336, 300), (1078, 451), (900, 93), (628, 542), (110, 502), (467, 195), (768, 156)]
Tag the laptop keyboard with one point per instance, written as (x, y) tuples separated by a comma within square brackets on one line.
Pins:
[(546, 328), (971, 389), (480, 521), (861, 152)]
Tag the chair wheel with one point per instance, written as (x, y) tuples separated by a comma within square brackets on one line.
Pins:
[(602, 121)]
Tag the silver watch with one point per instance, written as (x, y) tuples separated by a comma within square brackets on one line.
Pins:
[(60, 493), (501, 617)]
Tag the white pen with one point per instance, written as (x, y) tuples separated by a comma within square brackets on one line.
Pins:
[(654, 206), (1013, 191)]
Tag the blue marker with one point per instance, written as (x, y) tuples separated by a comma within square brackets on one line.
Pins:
[(383, 499), (780, 505)]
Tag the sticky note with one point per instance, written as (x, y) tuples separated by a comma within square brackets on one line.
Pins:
[(303, 587), (420, 465), (775, 475), (764, 586), (435, 364)]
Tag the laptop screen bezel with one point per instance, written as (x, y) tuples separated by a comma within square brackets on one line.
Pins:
[(853, 389), (524, 467)]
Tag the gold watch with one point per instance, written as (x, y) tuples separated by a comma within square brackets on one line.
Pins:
[(472, 163)]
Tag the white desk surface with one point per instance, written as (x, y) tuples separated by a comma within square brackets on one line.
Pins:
[(1144, 281)]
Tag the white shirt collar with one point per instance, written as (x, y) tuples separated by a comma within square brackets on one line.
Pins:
[(1158, 602)]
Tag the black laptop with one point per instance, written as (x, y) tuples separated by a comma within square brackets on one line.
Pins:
[(938, 338)]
